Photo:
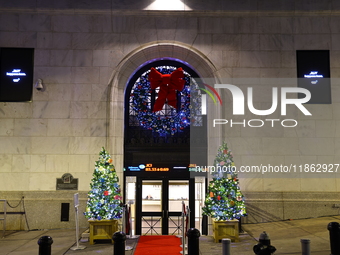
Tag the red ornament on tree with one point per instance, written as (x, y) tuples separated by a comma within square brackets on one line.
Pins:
[(218, 197), (106, 193)]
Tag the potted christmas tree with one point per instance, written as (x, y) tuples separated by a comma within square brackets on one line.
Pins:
[(104, 205), (224, 202)]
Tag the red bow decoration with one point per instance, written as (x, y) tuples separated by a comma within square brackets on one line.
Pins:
[(168, 84)]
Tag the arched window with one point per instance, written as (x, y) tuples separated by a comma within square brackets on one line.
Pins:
[(170, 124)]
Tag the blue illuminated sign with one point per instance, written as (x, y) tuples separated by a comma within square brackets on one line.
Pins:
[(133, 168), (313, 74), (16, 73)]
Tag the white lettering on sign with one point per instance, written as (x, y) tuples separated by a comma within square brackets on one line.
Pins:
[(15, 73), (313, 74)]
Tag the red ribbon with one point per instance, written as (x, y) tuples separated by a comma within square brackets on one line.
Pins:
[(168, 84)]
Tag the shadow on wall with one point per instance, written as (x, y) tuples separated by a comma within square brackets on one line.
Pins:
[(258, 215)]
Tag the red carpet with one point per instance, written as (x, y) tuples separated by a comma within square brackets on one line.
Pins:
[(158, 245)]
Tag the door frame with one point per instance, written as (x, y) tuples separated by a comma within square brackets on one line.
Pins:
[(164, 213)]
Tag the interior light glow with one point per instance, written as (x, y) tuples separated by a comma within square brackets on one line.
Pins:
[(166, 5)]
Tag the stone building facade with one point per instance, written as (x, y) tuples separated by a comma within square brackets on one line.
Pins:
[(85, 53)]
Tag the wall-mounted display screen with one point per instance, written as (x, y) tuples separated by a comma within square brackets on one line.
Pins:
[(313, 72), (16, 78)]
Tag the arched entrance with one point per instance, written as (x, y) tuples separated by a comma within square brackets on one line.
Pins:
[(164, 151), (157, 148)]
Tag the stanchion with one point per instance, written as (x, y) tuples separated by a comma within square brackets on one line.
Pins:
[(76, 205), (334, 237), (124, 223), (305, 246), (226, 246), (183, 229), (119, 243), (193, 241), (187, 224), (45, 245), (187, 219), (130, 235)]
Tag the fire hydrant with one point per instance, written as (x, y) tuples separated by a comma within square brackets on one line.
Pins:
[(264, 247)]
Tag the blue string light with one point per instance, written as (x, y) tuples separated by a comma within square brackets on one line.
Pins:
[(175, 120)]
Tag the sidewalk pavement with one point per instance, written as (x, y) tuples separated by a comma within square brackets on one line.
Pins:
[(284, 235)]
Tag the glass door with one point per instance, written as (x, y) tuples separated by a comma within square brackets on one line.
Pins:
[(178, 197), (152, 212), (159, 206)]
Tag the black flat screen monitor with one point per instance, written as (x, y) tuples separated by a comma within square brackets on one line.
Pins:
[(313, 72), (16, 78)]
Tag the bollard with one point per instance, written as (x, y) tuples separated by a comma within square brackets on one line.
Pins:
[(45, 243), (334, 237), (305, 245), (264, 247), (193, 235), (226, 246), (119, 243)]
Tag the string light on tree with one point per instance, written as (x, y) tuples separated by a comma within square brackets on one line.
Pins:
[(104, 198), (224, 200)]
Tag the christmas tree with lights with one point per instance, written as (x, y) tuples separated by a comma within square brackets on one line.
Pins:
[(104, 198), (224, 200)]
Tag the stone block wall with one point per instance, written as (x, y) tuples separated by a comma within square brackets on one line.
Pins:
[(85, 51)]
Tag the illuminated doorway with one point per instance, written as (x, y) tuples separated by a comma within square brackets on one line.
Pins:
[(160, 139)]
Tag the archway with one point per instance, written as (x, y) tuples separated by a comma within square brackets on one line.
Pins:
[(128, 67), (122, 73)]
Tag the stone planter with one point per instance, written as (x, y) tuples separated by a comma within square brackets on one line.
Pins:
[(225, 229), (102, 229)]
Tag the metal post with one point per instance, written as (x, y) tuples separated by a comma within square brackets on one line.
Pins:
[(183, 228), (119, 243), (226, 246), (305, 245), (128, 210), (193, 241), (45, 243), (188, 214), (334, 237), (124, 219), (130, 221), (76, 205), (187, 223)]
